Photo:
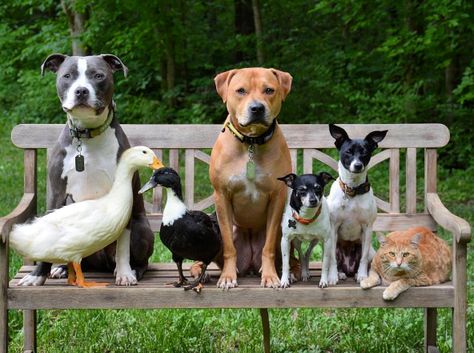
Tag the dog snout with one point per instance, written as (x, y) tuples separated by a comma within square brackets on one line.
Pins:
[(358, 166), (81, 93), (257, 108), (313, 200)]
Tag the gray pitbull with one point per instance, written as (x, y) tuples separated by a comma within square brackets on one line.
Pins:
[(83, 162)]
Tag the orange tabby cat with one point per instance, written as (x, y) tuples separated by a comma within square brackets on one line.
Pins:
[(415, 257)]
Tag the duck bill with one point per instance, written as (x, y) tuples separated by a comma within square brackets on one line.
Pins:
[(156, 164), (150, 185)]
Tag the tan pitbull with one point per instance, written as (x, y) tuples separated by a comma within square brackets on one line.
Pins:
[(247, 158)]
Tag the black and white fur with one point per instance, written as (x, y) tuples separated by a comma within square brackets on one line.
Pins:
[(187, 234), (306, 197), (352, 217), (85, 88)]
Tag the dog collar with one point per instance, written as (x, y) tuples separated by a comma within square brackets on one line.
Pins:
[(90, 133), (358, 190), (258, 140), (306, 221)]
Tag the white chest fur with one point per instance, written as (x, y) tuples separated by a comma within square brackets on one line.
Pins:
[(100, 157), (350, 214), (319, 229)]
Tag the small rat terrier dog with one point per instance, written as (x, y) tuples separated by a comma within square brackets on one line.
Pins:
[(307, 218), (351, 202)]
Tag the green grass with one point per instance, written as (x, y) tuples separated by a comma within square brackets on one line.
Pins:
[(233, 330)]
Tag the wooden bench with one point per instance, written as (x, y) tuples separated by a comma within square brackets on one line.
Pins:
[(305, 142)]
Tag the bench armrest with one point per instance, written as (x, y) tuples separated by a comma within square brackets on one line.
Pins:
[(24, 210), (456, 225)]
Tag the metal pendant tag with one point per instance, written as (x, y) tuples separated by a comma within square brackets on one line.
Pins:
[(79, 163), (251, 171)]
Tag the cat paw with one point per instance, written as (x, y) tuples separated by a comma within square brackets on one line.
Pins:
[(388, 295), (365, 284)]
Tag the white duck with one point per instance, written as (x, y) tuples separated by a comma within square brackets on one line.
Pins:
[(80, 229)]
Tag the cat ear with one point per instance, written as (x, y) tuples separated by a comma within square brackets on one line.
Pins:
[(416, 240), (382, 240)]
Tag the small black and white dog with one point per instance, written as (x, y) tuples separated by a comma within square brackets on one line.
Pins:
[(307, 218), (351, 202)]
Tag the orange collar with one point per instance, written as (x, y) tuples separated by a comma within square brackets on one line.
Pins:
[(307, 221)]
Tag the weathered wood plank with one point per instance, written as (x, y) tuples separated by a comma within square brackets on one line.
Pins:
[(189, 178), (309, 296), (385, 222), (431, 173), (157, 192), (430, 323), (410, 180), (203, 136), (442, 216), (460, 297), (394, 180)]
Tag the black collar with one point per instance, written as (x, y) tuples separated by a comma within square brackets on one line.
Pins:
[(358, 190), (91, 133), (258, 140)]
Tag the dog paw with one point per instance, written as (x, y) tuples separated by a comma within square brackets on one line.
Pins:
[(332, 280), (126, 278), (387, 295), (32, 280), (342, 276), (227, 281), (360, 277), (323, 283), (58, 272), (305, 276), (285, 282), (270, 281)]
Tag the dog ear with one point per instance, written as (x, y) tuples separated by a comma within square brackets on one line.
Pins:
[(222, 81), (115, 63), (325, 177), (339, 134), (52, 63), (375, 137), (285, 80), (415, 240), (288, 179)]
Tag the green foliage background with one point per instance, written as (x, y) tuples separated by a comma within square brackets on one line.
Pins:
[(352, 61)]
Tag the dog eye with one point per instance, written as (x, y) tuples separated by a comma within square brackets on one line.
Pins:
[(99, 76), (67, 76), (241, 91), (269, 90)]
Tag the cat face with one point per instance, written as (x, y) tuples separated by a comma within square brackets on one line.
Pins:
[(398, 259)]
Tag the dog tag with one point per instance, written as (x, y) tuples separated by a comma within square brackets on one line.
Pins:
[(251, 172), (79, 163)]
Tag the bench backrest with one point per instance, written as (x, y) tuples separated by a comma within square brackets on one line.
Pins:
[(306, 142)]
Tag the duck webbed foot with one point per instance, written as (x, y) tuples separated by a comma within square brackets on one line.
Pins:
[(196, 285)]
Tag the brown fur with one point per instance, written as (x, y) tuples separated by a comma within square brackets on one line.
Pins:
[(427, 259), (250, 212)]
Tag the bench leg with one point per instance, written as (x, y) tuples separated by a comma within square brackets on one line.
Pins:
[(460, 297), (431, 316), (29, 329), (3, 296), (266, 329)]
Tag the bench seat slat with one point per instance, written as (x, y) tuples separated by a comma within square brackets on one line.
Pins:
[(153, 292), (203, 136)]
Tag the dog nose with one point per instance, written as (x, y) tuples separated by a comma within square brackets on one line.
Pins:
[(358, 166), (313, 201), (257, 108), (81, 92)]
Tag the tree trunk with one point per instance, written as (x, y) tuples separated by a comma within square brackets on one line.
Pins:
[(258, 31), (451, 77), (244, 25), (76, 22)]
